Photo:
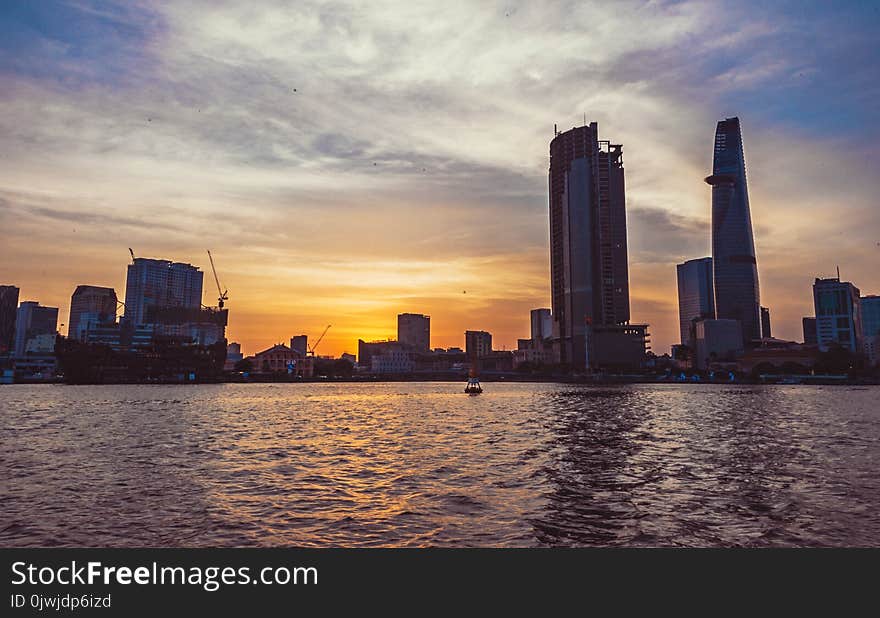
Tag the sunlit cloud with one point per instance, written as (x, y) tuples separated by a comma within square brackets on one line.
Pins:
[(345, 162)]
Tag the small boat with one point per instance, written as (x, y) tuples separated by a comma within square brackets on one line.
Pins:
[(473, 386)]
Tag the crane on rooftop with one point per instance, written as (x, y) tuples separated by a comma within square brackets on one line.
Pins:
[(223, 294), (313, 347)]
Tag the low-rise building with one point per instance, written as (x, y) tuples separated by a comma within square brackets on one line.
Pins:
[(717, 340), (281, 359)]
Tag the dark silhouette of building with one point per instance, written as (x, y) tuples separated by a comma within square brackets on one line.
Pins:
[(477, 343), (8, 309), (696, 296), (588, 252), (32, 321), (809, 325), (737, 296), (300, 344), (414, 329), (765, 323), (90, 305)]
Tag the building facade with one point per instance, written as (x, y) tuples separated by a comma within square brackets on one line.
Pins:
[(809, 326), (477, 343), (31, 321), (90, 305), (160, 283), (718, 340), (541, 324), (414, 330), (696, 295), (8, 311), (735, 267), (588, 247), (300, 344), (766, 332), (838, 314), (870, 306)]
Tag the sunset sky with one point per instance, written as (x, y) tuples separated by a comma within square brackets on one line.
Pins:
[(345, 162)]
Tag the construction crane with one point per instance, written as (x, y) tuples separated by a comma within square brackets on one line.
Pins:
[(312, 348), (224, 294)]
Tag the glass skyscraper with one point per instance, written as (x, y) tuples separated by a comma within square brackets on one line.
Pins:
[(696, 295), (733, 246)]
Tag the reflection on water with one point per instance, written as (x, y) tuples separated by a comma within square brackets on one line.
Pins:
[(415, 464)]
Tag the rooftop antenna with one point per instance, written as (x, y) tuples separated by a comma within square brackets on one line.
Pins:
[(555, 131), (838, 273), (585, 118)]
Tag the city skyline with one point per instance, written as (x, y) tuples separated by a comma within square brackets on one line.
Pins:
[(343, 169)]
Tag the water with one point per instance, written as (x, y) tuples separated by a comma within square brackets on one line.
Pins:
[(422, 464)]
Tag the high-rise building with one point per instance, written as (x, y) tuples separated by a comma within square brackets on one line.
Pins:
[(696, 296), (414, 329), (300, 344), (838, 314), (541, 324), (765, 323), (809, 325), (870, 306), (477, 343), (737, 296), (90, 305), (31, 321), (8, 310), (588, 253), (160, 283)]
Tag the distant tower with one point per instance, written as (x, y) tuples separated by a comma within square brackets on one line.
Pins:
[(696, 295), (766, 332), (90, 305), (733, 246), (588, 254)]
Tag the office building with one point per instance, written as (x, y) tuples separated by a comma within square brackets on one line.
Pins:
[(90, 305), (809, 326), (160, 283), (541, 324), (477, 343), (838, 314), (765, 323), (870, 306), (31, 321), (588, 252), (735, 279), (8, 310), (696, 295), (300, 344), (716, 341), (414, 330)]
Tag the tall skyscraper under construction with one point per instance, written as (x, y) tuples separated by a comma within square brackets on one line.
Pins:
[(733, 245), (588, 252)]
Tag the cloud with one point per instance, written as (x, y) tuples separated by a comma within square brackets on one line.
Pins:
[(340, 158)]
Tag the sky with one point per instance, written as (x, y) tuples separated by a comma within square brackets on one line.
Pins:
[(346, 162)]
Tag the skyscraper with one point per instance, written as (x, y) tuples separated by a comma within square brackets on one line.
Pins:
[(31, 321), (541, 324), (733, 246), (838, 314), (8, 309), (160, 283), (414, 329), (870, 306), (588, 254), (696, 295), (90, 305)]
